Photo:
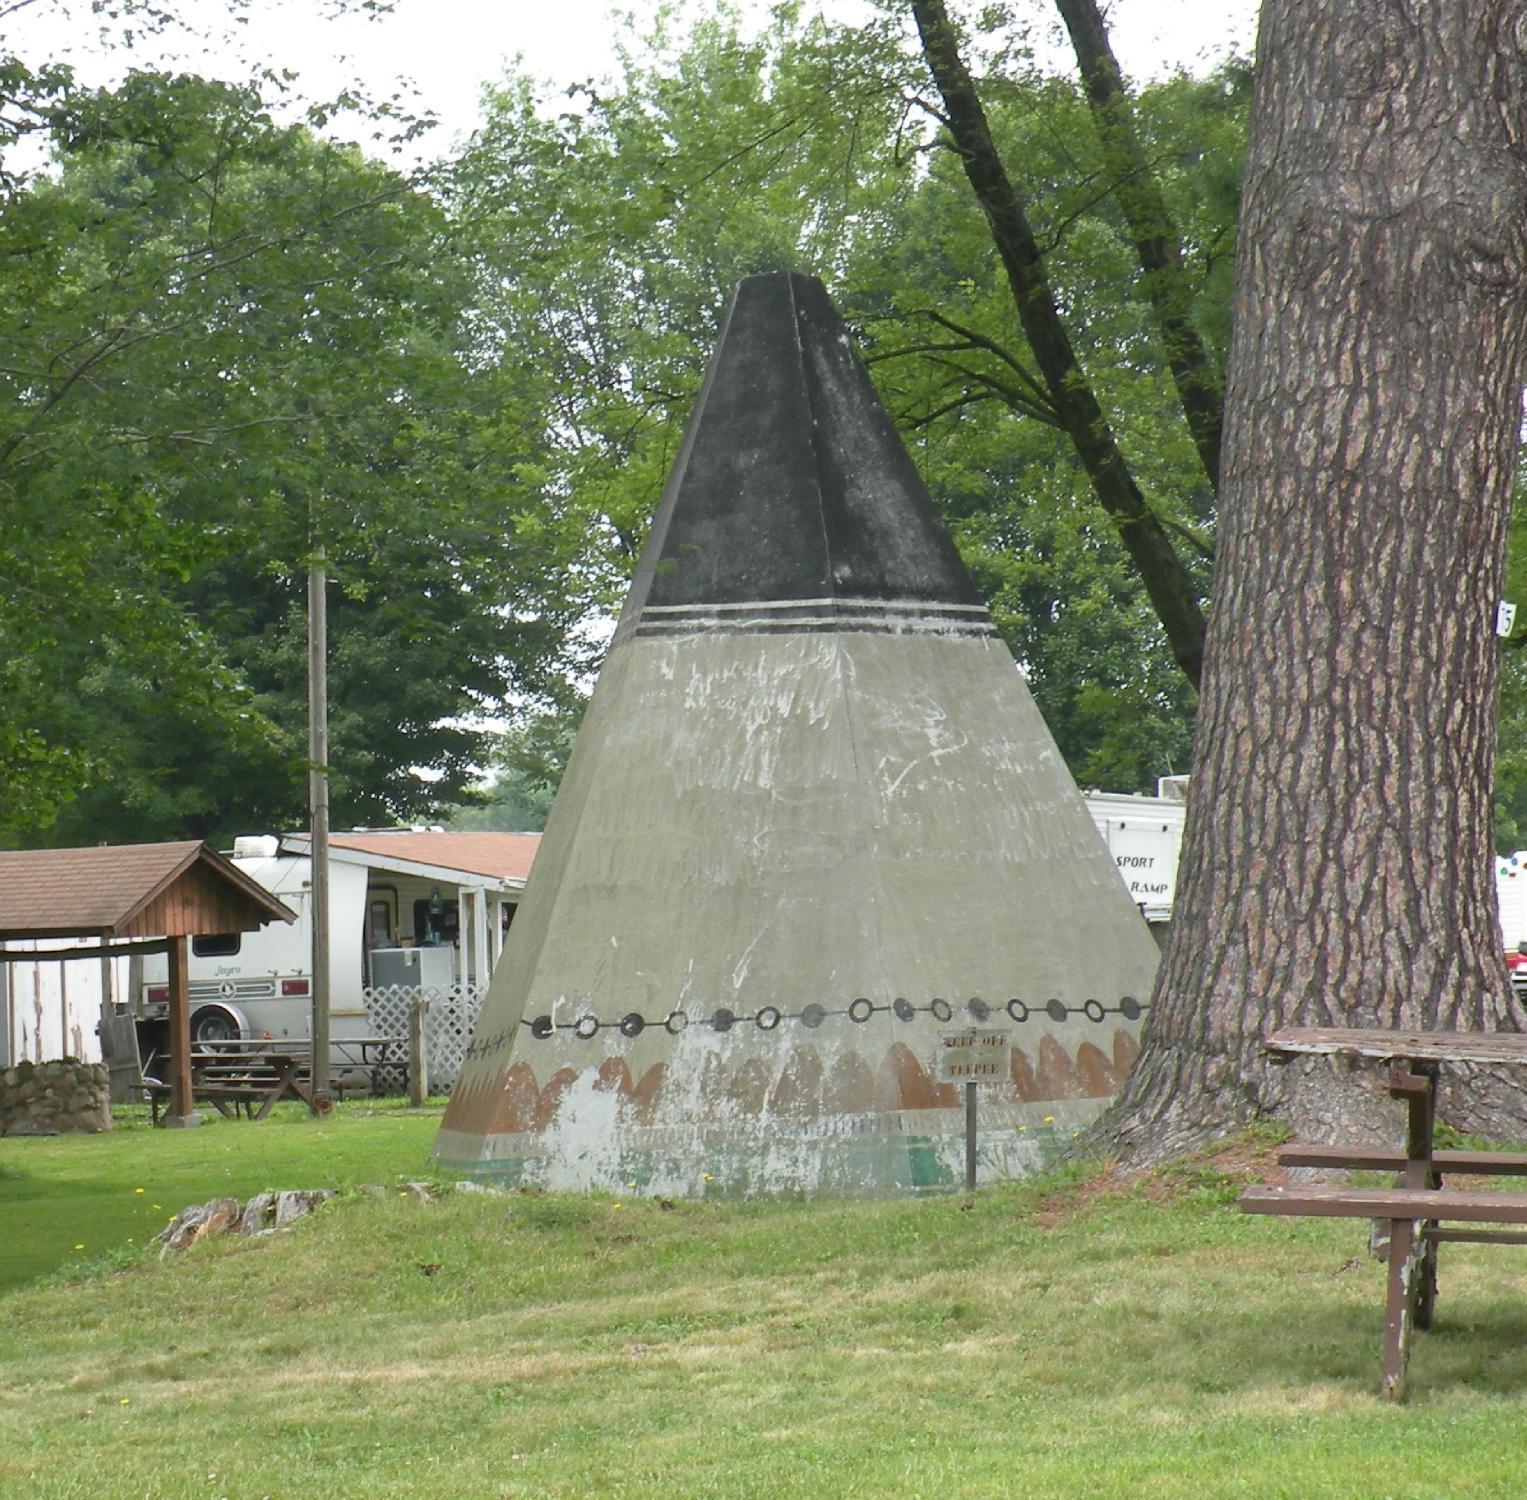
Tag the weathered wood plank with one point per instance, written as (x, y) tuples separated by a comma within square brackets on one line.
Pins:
[(1388, 1203), (1477, 1236), (1398, 1046), (1380, 1159), (1401, 1285)]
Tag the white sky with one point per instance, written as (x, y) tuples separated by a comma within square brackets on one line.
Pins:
[(450, 48)]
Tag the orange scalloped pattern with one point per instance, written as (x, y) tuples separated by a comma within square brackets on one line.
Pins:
[(805, 1087)]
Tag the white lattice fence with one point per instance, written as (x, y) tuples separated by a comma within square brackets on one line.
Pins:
[(450, 1013)]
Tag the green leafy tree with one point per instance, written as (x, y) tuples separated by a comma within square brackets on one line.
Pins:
[(720, 154), (527, 769), (233, 343)]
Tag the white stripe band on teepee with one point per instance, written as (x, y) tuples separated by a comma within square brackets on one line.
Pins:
[(905, 606), (816, 616)]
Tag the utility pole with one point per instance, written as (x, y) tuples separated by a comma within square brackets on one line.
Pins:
[(8, 1028), (318, 816)]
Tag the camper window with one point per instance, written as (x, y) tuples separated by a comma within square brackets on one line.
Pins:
[(217, 945)]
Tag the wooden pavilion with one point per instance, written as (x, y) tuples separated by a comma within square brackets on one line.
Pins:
[(134, 898)]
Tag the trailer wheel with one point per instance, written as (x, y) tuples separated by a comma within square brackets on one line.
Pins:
[(215, 1023)]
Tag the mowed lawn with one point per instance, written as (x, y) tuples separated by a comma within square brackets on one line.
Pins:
[(72, 1199), (1069, 1337)]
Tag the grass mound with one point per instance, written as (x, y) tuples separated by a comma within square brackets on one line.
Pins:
[(1074, 1336), (79, 1201)]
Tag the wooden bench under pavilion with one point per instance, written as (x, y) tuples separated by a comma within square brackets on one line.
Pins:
[(135, 898)]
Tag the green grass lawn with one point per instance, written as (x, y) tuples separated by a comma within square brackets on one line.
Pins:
[(1070, 1337), (76, 1198)]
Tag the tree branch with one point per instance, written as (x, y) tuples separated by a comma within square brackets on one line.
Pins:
[(1167, 582), (1156, 241), (1015, 400), (968, 398)]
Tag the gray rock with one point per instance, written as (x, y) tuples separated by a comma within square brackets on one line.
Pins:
[(183, 1230), (257, 1213), (292, 1205), (222, 1216)]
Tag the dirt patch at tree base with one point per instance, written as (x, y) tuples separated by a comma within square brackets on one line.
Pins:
[(1233, 1164)]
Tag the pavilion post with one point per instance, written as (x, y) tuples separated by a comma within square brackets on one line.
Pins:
[(181, 1099), (7, 1018)]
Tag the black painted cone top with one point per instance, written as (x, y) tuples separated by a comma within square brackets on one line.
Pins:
[(792, 483)]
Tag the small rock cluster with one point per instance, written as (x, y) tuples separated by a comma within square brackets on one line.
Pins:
[(263, 1214), (51, 1098)]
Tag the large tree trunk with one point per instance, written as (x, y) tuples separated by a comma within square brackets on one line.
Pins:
[(1336, 861)]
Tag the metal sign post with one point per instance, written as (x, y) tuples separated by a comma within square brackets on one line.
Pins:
[(970, 1056)]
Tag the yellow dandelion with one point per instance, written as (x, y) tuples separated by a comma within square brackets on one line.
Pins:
[(79, 1247), (1049, 1119), (138, 1191), (707, 1177), (615, 1205), (124, 1401)]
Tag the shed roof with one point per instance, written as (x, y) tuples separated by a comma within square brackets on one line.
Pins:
[(129, 890), (500, 857)]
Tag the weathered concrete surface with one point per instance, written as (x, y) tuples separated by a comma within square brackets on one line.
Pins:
[(812, 819)]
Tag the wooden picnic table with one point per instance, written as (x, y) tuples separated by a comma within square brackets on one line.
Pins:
[(1418, 1209), (252, 1075)]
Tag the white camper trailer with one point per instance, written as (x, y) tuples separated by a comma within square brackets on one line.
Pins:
[(259, 984), (1144, 836), (408, 910)]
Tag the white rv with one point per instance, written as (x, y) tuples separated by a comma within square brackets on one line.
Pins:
[(259, 984), (407, 908), (1144, 835)]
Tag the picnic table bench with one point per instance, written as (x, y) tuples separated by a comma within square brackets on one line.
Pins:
[(251, 1076), (1419, 1212)]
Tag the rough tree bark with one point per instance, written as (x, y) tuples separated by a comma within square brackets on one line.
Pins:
[(1157, 245), (1336, 865), (1167, 582)]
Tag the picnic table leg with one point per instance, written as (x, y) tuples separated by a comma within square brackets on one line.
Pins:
[(1426, 1289), (1416, 1083), (293, 1087), (1400, 1305), (283, 1087)]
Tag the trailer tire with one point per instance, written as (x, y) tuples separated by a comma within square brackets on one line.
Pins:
[(211, 1024)]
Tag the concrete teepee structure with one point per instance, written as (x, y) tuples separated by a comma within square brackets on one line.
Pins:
[(812, 819)]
